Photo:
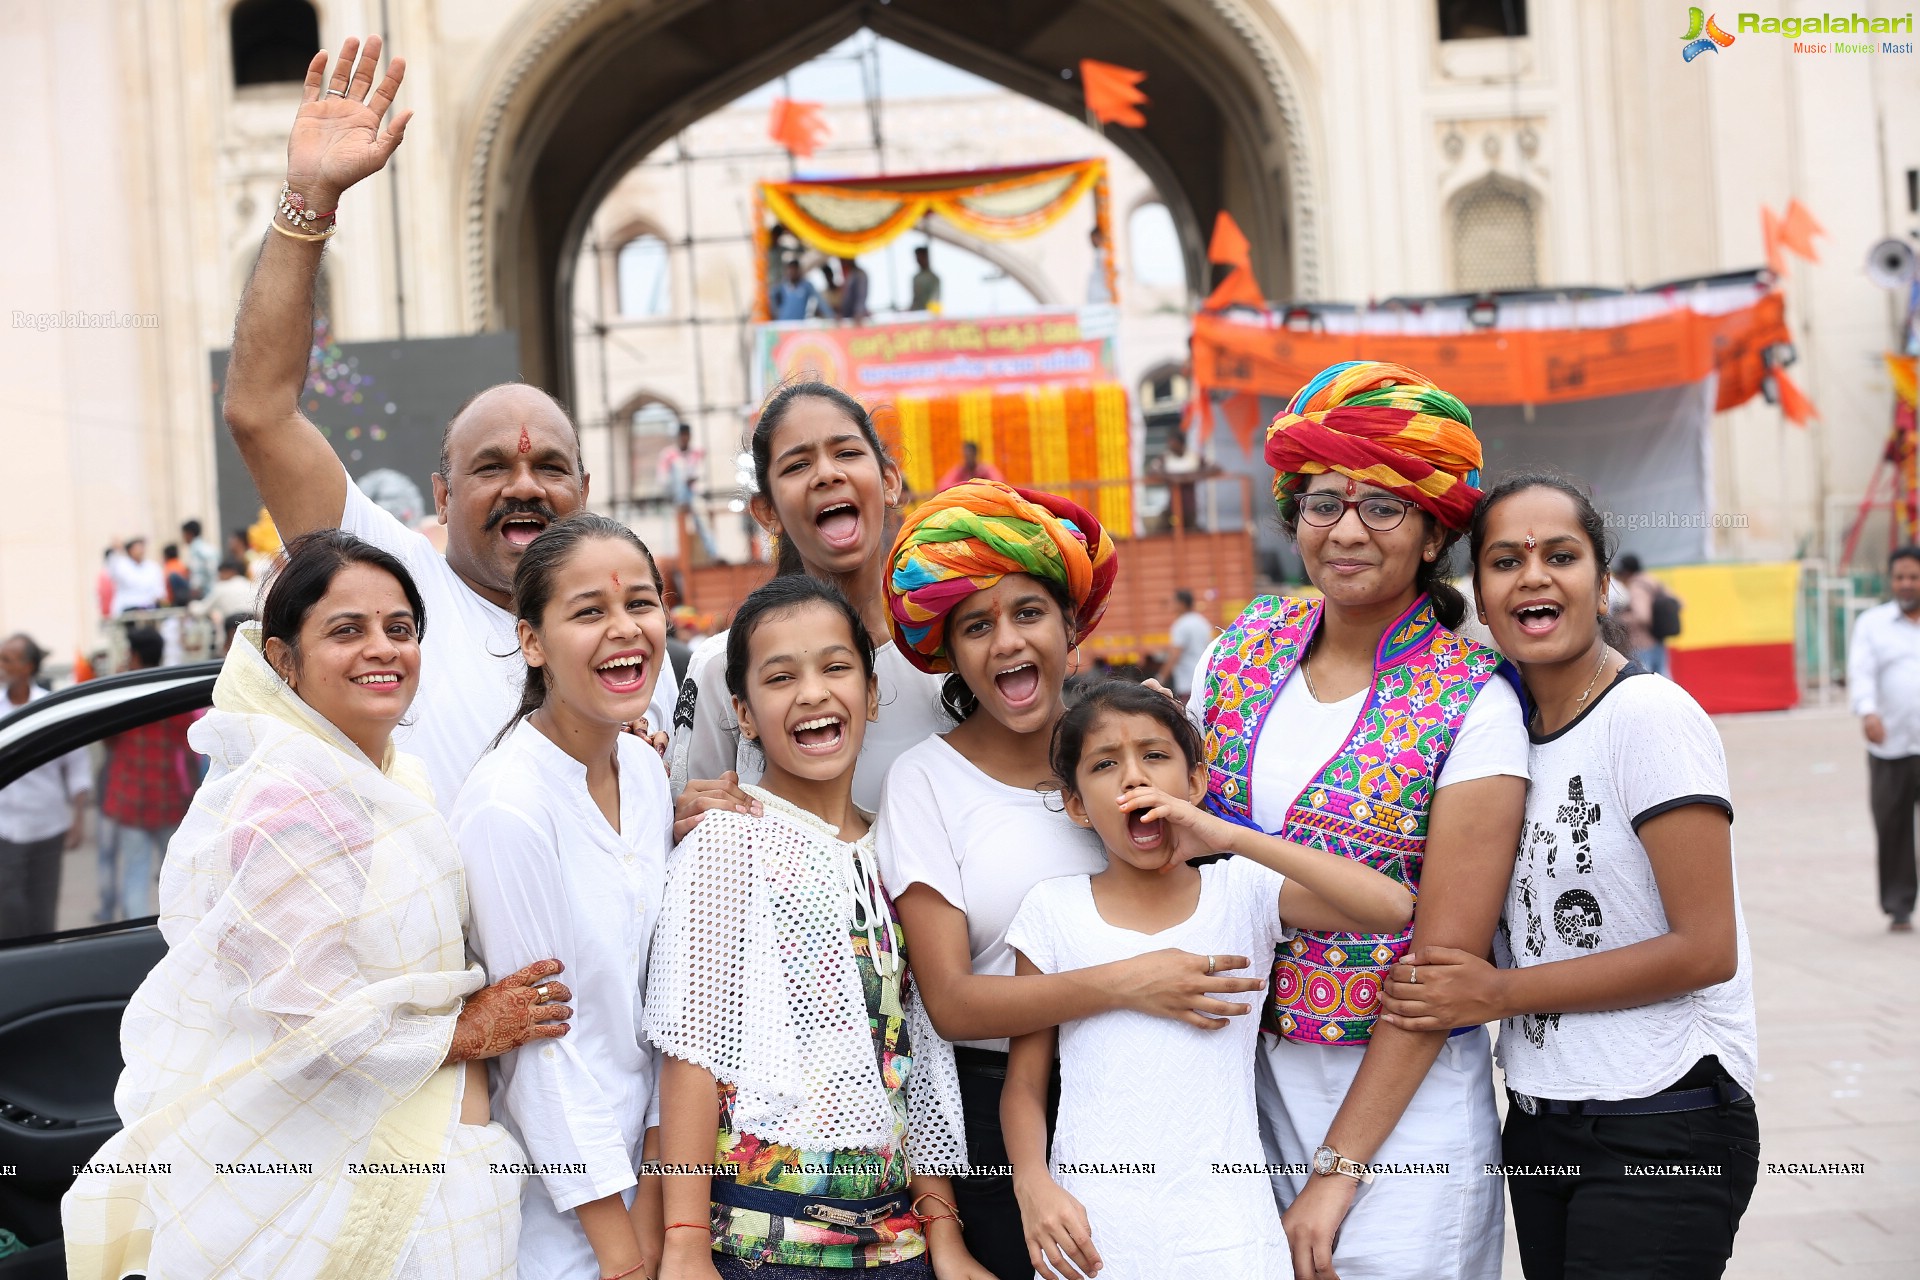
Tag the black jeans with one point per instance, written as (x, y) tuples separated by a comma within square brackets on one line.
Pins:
[(1605, 1223), (986, 1202), (1893, 789)]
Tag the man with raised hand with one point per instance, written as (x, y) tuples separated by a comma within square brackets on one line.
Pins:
[(510, 460)]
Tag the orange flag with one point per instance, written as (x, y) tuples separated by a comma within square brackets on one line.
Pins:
[(1793, 401), (1113, 93), (797, 126), (1770, 237), (1797, 230), (1228, 245), (1238, 287)]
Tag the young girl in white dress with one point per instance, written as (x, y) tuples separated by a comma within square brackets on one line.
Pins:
[(1157, 1168), (564, 828)]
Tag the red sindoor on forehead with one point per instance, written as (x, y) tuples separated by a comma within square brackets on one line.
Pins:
[(616, 580), (1352, 488), (526, 441)]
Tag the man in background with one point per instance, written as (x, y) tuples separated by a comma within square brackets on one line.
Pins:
[(138, 583), (926, 285), (203, 558), (1883, 685), (853, 290), (970, 468), (678, 469), (795, 298), (1187, 639)]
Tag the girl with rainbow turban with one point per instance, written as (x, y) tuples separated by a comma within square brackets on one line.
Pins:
[(994, 587), (1362, 723)]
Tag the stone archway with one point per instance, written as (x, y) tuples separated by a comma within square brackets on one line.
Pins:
[(603, 82)]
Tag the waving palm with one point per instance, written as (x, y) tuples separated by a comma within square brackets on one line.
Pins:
[(337, 139)]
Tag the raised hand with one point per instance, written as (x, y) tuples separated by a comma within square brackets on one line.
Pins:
[(337, 137)]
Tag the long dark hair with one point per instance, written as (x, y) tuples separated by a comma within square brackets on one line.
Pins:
[(772, 413), (1430, 579), (533, 582), (1591, 523), (780, 596), (957, 697), (306, 573), (1119, 697)]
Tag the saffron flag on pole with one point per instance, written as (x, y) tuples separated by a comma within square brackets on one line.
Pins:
[(1229, 245), (797, 126), (1113, 93), (1798, 227), (1793, 401)]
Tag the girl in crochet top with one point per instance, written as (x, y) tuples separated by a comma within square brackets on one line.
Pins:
[(806, 1103)]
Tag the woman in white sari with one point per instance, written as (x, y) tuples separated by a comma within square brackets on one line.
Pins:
[(294, 1099)]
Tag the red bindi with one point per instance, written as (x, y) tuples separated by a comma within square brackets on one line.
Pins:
[(1352, 488), (1529, 540), (526, 442), (616, 580)]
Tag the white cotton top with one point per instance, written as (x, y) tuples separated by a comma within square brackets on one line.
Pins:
[(471, 672), (1883, 677), (39, 805), (1583, 884), (1190, 635), (1140, 1090), (1302, 733), (706, 733), (547, 877), (977, 842)]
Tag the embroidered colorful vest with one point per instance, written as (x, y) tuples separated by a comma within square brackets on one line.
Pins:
[(1368, 803)]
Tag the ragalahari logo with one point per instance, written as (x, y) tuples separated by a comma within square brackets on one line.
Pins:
[(1703, 35)]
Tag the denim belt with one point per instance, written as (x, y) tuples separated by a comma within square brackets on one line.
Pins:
[(856, 1214), (1713, 1095)]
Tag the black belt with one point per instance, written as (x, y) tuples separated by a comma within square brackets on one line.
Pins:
[(853, 1214), (1717, 1094), (980, 1062)]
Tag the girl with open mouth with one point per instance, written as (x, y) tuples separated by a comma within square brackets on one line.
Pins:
[(994, 587), (1624, 984), (564, 830), (826, 490), (807, 1107)]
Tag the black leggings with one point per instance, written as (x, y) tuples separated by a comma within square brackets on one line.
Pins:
[(986, 1202), (1604, 1224)]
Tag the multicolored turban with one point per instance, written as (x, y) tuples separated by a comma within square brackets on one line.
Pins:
[(965, 539), (1380, 424)]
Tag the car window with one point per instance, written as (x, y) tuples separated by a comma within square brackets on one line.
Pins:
[(94, 779)]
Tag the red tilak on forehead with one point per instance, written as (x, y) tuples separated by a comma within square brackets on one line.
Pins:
[(1529, 541), (526, 442), (1352, 488), (616, 580)]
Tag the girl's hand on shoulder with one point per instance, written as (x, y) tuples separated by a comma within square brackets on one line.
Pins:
[(523, 1006), (1197, 833), (704, 794), (1439, 988), (1059, 1237)]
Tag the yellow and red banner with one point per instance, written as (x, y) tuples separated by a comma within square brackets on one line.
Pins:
[(1735, 648), (938, 357)]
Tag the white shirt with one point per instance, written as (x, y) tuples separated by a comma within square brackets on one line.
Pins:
[(1190, 636), (547, 877), (1883, 677), (1583, 884), (1301, 734), (978, 843), (137, 584), (39, 805), (232, 595), (471, 671), (706, 734)]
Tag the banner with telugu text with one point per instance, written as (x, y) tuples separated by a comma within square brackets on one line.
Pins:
[(884, 362)]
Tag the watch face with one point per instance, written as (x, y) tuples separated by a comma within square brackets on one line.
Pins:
[(1325, 1160)]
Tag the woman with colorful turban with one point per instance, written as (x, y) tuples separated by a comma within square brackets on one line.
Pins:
[(994, 587), (1360, 722)]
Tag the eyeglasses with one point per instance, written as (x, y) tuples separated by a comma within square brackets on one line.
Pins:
[(1377, 511)]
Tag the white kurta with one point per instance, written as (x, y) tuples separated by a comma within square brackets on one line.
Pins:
[(548, 877)]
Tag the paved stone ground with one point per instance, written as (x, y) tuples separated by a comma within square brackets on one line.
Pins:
[(1839, 1019)]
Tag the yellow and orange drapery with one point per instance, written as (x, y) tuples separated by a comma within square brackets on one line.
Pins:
[(1070, 440), (847, 217)]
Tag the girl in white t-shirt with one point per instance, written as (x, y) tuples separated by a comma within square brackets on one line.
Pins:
[(1625, 981), (563, 830), (993, 587), (1156, 1167), (827, 491)]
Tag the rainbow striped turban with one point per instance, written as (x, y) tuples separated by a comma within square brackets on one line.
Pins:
[(1380, 424), (967, 538)]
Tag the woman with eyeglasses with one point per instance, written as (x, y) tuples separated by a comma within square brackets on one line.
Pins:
[(1362, 723)]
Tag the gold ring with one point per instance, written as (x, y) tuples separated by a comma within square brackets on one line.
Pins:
[(541, 991), (1209, 966)]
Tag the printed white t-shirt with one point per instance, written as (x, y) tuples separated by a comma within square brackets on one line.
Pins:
[(1583, 884), (977, 842), (471, 672), (1301, 734)]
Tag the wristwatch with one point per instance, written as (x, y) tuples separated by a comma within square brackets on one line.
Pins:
[(1328, 1161)]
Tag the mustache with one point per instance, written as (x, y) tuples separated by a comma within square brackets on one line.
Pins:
[(518, 507)]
